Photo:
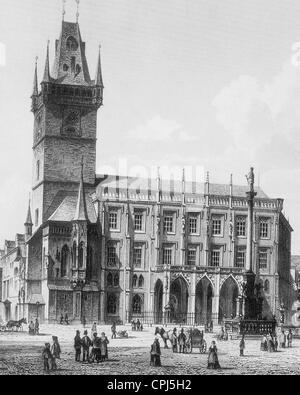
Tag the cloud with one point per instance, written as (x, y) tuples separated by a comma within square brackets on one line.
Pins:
[(159, 129), (262, 119)]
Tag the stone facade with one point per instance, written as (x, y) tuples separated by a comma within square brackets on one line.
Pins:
[(110, 248)]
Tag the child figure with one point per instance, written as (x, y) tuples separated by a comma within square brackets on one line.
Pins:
[(47, 356), (55, 351)]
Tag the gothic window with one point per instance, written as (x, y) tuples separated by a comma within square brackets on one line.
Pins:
[(116, 280), (134, 281), (263, 259), (141, 281), (193, 224), (167, 255), (74, 254), (137, 256), (109, 280), (264, 228), (139, 221), (169, 223), (65, 67), (217, 226), (240, 226), (80, 255), (112, 304), (215, 257), (240, 259), (191, 258), (64, 261), (137, 304), (111, 255), (72, 44), (113, 219)]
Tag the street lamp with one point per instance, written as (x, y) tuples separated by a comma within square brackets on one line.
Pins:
[(37, 310)]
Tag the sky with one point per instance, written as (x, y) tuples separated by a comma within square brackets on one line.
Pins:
[(208, 84)]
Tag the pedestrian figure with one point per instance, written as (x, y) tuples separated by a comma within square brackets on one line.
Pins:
[(66, 319), (36, 327), (213, 361), (282, 339), (155, 353), (86, 344), (96, 350), (132, 325), (113, 331), (225, 337), (142, 328), (275, 343), (103, 344), (61, 319), (46, 357), (77, 346), (242, 346), (138, 325), (182, 341), (83, 322), (55, 351), (174, 340), (264, 343), (221, 334), (94, 329), (289, 338), (31, 328), (270, 345)]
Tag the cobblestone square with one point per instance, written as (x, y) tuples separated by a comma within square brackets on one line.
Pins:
[(21, 354)]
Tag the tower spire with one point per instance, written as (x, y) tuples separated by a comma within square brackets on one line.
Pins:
[(98, 79), (77, 12), (64, 9), (28, 223), (47, 66), (81, 211), (35, 80)]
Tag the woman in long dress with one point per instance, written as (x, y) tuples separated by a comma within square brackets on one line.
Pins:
[(155, 353), (213, 361)]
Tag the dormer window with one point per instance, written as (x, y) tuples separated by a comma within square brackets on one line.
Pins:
[(71, 44)]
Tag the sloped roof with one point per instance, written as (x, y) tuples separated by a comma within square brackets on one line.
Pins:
[(64, 55), (66, 211), (175, 186)]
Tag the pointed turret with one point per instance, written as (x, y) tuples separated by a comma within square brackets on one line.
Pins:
[(35, 91), (81, 211), (98, 78), (47, 77), (28, 223)]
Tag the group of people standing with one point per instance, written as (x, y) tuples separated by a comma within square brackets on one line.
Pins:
[(136, 325), (271, 341), (51, 354), (34, 327), (93, 350)]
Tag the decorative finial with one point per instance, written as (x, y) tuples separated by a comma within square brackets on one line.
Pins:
[(64, 9), (77, 13)]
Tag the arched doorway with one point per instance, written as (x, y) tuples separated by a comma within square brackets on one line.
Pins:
[(158, 302), (179, 301), (203, 301), (228, 299)]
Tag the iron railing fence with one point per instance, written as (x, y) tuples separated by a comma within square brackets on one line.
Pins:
[(160, 318)]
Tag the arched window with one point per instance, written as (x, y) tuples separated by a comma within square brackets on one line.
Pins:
[(141, 281), (116, 280), (134, 281), (74, 254), (112, 304), (80, 255), (109, 280), (72, 43), (137, 304), (64, 261), (267, 286)]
